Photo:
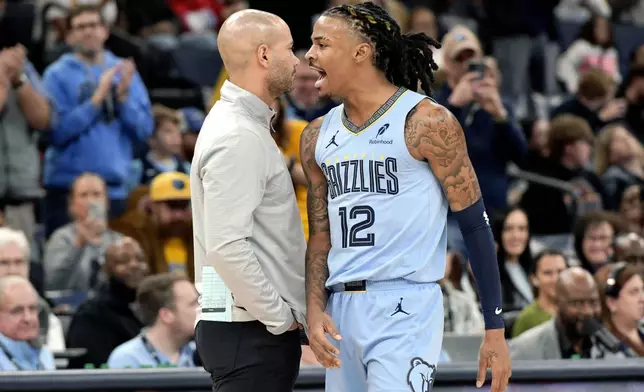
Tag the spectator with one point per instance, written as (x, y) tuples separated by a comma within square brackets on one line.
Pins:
[(594, 101), (593, 49), (75, 253), (462, 314), (103, 111), (621, 290), (630, 210), (14, 261), (543, 276), (493, 137), (512, 233), (304, 101), (167, 304), (423, 20), (57, 16), (287, 136), (107, 320), (619, 161), (563, 337), (19, 327), (552, 210), (191, 122), (629, 247), (594, 235), (637, 57), (165, 145), (165, 229), (24, 108), (633, 92)]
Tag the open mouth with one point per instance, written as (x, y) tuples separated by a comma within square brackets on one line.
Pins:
[(321, 75)]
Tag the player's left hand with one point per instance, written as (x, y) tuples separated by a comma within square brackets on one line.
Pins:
[(494, 355)]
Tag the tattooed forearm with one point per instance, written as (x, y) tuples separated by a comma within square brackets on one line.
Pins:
[(433, 134), (317, 271)]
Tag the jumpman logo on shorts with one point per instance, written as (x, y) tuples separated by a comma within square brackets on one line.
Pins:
[(333, 141), (399, 309)]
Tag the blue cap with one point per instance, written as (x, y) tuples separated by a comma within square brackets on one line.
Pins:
[(193, 118)]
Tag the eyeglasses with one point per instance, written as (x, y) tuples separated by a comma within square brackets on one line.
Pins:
[(83, 26)]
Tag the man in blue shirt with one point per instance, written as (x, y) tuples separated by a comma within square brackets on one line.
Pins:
[(19, 327), (168, 307), (102, 112)]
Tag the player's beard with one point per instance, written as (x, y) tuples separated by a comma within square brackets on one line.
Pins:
[(280, 79)]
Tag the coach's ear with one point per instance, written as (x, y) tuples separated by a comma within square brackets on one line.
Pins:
[(262, 55), (363, 52)]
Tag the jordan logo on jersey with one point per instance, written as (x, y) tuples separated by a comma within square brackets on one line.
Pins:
[(332, 142)]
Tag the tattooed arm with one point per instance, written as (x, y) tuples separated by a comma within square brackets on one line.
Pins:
[(433, 134), (319, 243)]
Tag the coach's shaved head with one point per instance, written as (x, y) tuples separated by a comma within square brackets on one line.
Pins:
[(256, 48)]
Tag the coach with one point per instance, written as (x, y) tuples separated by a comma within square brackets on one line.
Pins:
[(249, 243)]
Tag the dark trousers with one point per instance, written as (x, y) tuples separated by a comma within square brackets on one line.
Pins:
[(244, 356)]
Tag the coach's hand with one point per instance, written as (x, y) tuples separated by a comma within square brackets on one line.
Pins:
[(494, 354), (320, 323)]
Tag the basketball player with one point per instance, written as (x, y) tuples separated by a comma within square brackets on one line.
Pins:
[(382, 169)]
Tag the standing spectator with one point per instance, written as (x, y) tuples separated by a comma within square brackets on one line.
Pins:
[(14, 261), (622, 292), (75, 253), (512, 234), (165, 145), (619, 161), (594, 101), (107, 320), (164, 230), (544, 275), (191, 122), (552, 210), (24, 109), (168, 307), (564, 337), (594, 49), (594, 235), (103, 111), (19, 327), (423, 20)]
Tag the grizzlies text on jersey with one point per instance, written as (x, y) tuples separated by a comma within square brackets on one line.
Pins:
[(386, 209)]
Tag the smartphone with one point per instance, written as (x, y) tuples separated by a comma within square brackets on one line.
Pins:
[(96, 211), (477, 67)]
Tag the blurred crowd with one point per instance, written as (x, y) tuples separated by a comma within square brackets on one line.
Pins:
[(102, 101)]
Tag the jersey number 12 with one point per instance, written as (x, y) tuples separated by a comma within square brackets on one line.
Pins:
[(351, 236)]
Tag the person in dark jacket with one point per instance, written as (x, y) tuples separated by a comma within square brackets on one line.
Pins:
[(109, 319)]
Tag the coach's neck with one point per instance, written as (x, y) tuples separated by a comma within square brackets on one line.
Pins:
[(253, 83)]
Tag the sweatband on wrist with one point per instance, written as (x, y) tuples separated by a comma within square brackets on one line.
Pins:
[(479, 241)]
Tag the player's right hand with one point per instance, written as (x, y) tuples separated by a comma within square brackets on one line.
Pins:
[(320, 324)]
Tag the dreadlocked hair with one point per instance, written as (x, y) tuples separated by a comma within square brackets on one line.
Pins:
[(406, 59)]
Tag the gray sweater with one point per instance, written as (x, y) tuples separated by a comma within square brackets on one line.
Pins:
[(68, 267)]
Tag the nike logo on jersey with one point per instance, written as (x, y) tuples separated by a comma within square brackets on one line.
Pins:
[(497, 311)]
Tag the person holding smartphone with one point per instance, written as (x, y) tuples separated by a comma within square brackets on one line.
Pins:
[(75, 252), (493, 136)]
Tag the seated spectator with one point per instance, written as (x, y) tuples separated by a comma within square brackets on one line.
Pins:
[(512, 233), (552, 210), (167, 304), (191, 122), (25, 108), (165, 147), (75, 253), (637, 57), (165, 229), (593, 49), (461, 311), (19, 327), (102, 113), (543, 276), (619, 161), (303, 102), (563, 337), (14, 261), (594, 234), (633, 93), (423, 20), (621, 289), (594, 101), (108, 320), (630, 210), (629, 247)]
